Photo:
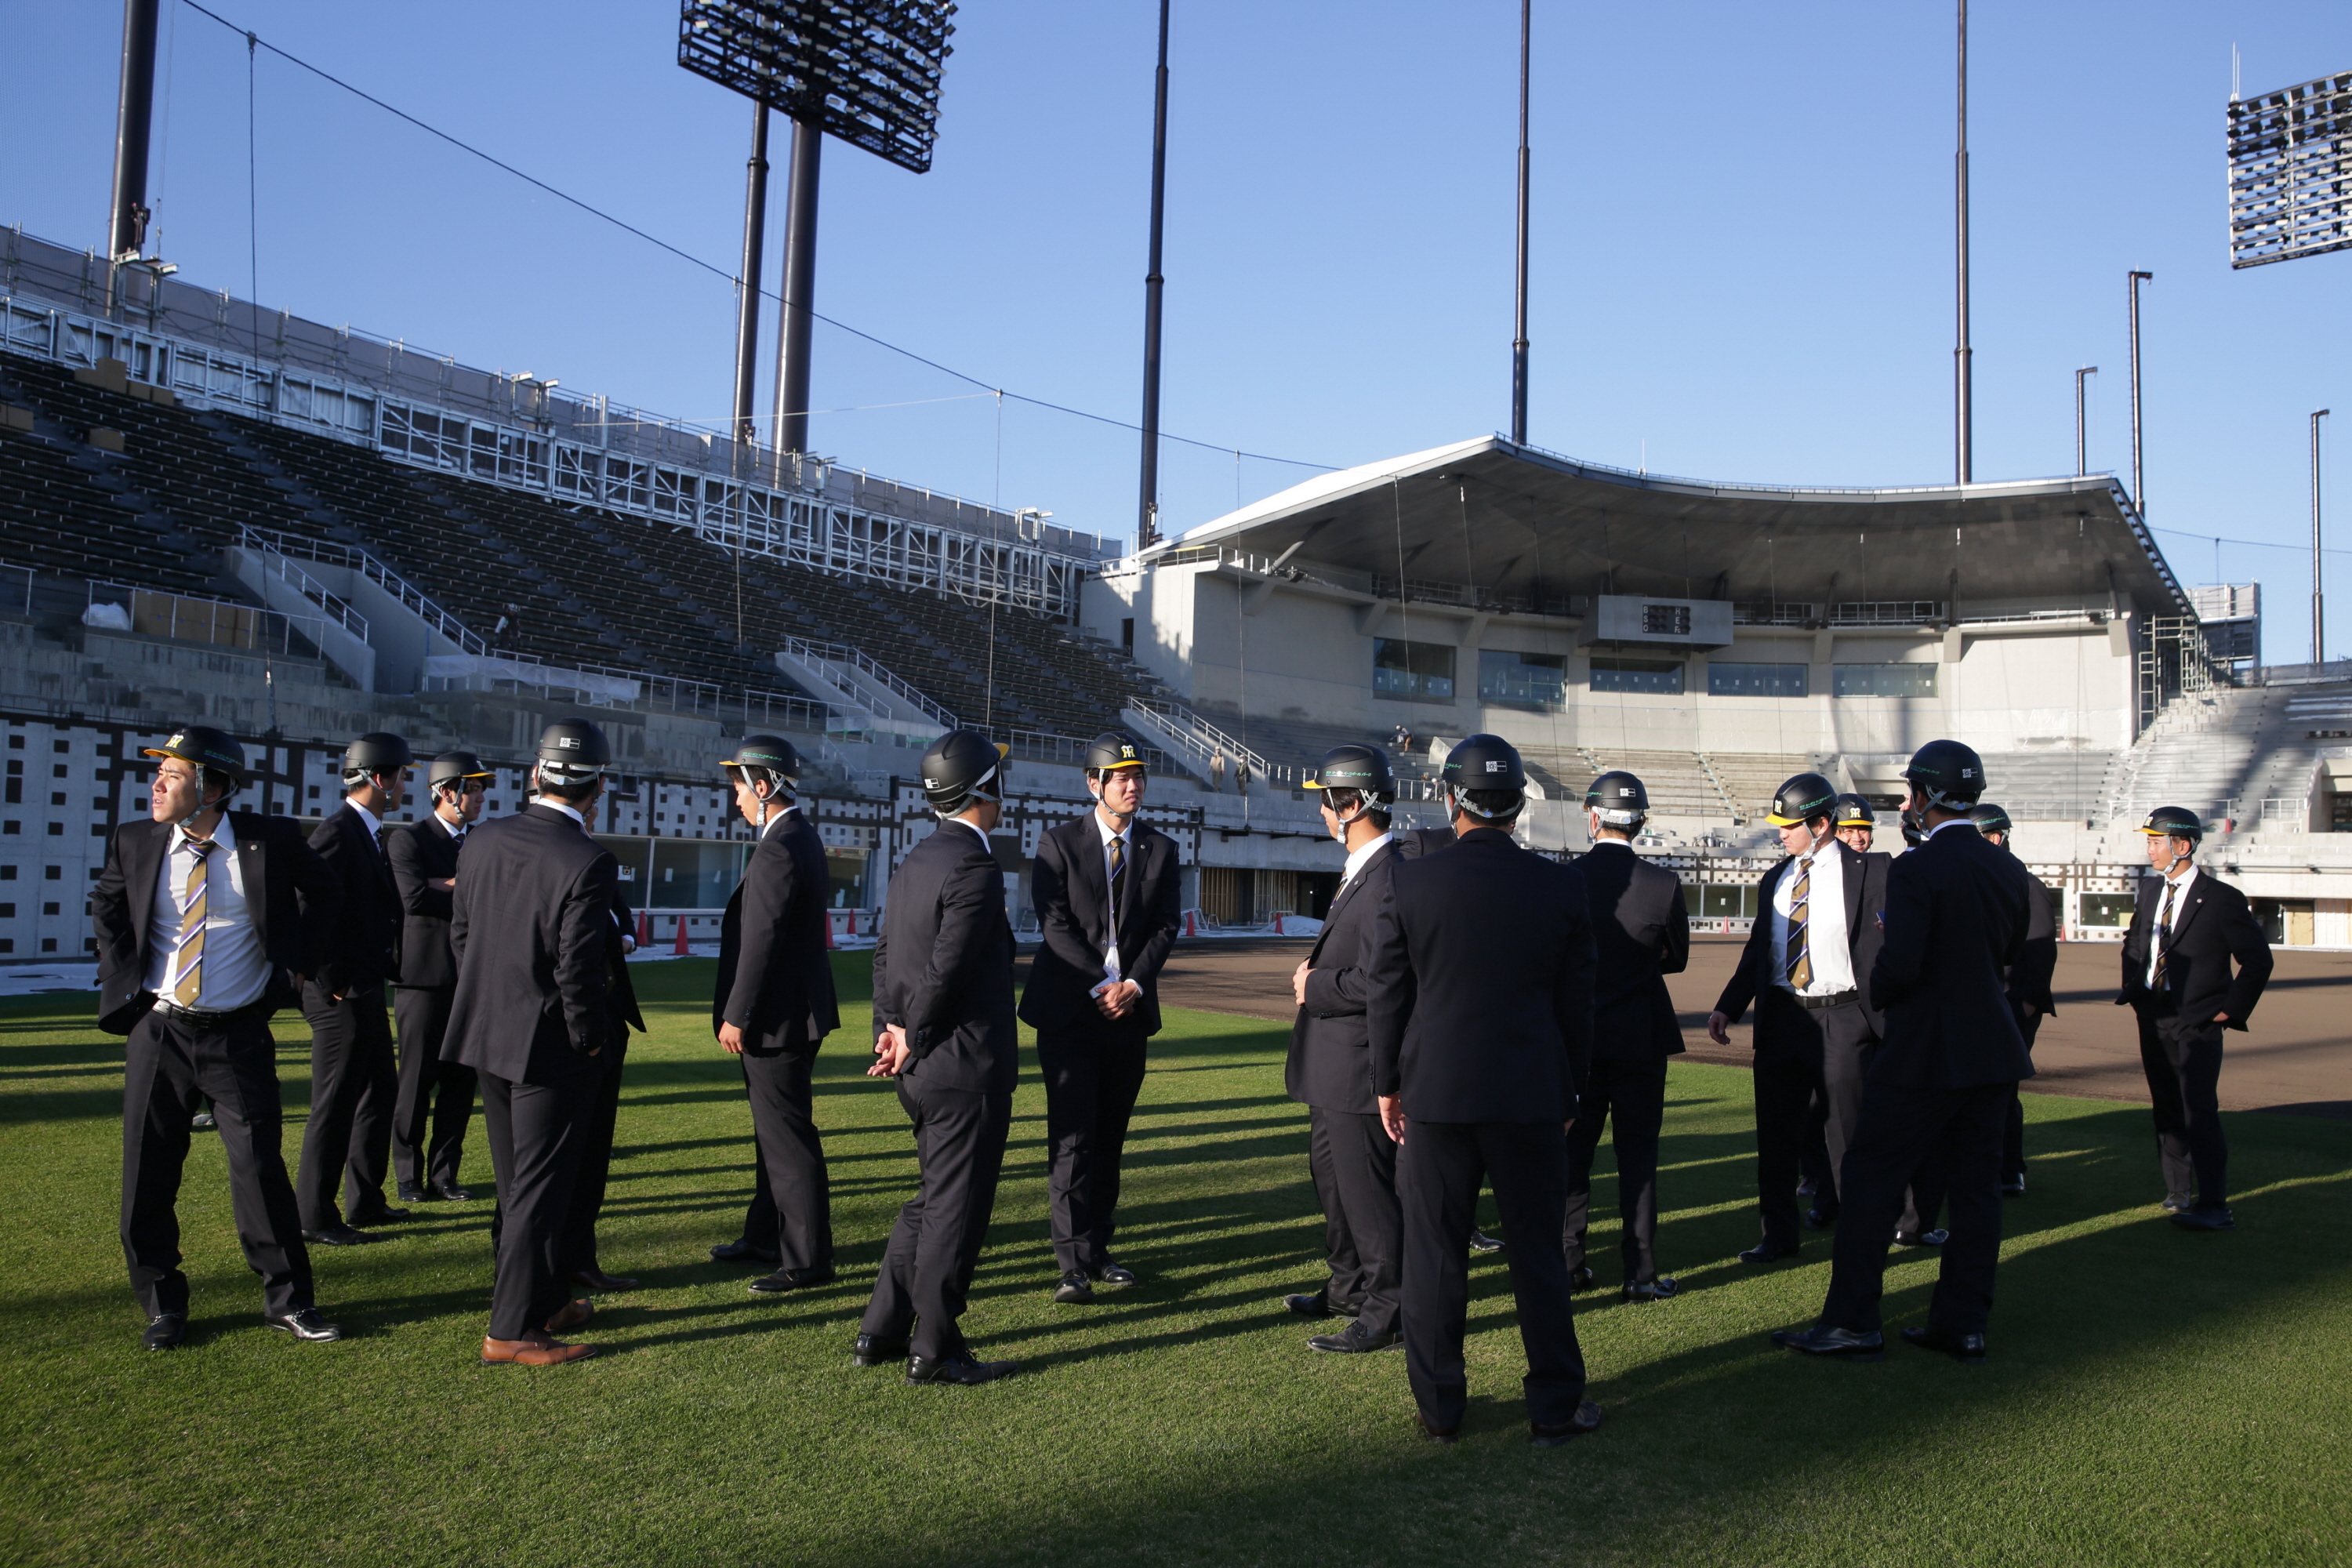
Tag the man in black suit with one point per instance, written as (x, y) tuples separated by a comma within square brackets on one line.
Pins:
[(577, 1252), (1942, 1078), (532, 928), (1815, 937), (2176, 979), (1642, 929), (354, 1079), (2028, 985), (1480, 1025), (944, 1015), (1349, 1153), (1105, 889), (206, 919), (436, 1098), (772, 1007)]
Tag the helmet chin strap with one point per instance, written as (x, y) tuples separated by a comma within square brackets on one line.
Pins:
[(1095, 786)]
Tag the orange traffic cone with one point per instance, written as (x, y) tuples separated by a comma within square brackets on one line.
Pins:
[(680, 950), (852, 924), (645, 928), (828, 930)]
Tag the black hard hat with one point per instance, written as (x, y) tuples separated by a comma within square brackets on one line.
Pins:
[(1949, 774), (2174, 822), (1112, 750), (1364, 769), (770, 755), (962, 766), (454, 768), (1619, 797), (1480, 763), (1853, 811), (377, 752), (205, 746), (572, 751), (1802, 799), (1990, 819)]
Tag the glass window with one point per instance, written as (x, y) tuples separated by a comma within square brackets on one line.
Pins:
[(2106, 908), (1522, 680), (1886, 679), (1421, 671), (1658, 677), (1755, 679)]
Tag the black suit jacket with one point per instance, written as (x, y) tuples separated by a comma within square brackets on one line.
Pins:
[(775, 978), (1864, 877), (289, 890), (1481, 1004), (535, 930), (1330, 1065), (2029, 976), (2211, 927), (363, 951), (943, 964), (1073, 903), (423, 853), (1642, 929), (1956, 919)]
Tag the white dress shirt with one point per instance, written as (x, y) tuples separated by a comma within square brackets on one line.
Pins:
[(553, 804), (368, 819), (236, 969), (1825, 932), (1125, 838), (776, 819), (2160, 933), (455, 830), (1356, 859)]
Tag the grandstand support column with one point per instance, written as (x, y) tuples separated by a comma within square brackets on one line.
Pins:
[(134, 116), (747, 313), (1963, 393), (2318, 618), (1519, 290), (799, 294), (1147, 516)]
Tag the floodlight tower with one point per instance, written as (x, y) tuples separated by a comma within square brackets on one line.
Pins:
[(1147, 514), (2318, 622), (126, 232), (866, 72), (1519, 293), (1963, 432)]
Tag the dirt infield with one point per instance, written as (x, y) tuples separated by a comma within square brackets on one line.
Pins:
[(2297, 1057)]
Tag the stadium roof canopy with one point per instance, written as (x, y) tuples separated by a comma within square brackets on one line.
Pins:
[(1522, 528)]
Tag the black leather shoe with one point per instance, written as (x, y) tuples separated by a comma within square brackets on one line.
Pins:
[(203, 1122), (449, 1190), (784, 1280), (1966, 1349), (2013, 1186), (1767, 1252), (1819, 1218), (1115, 1274), (875, 1350), (166, 1331), (304, 1323), (1659, 1289), (1587, 1419), (740, 1251), (2177, 1202), (410, 1193), (1806, 1189), (1354, 1340), (962, 1368), (1842, 1344), (1072, 1288), (384, 1216), (1580, 1276), (1317, 1305), (2205, 1217), (1437, 1434), (337, 1234), (1922, 1237), (1481, 1242)]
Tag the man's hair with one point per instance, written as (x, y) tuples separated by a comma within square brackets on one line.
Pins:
[(1343, 801), (1504, 803), (568, 794), (211, 778), (1624, 831)]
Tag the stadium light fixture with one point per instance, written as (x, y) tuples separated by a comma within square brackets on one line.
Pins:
[(2291, 172)]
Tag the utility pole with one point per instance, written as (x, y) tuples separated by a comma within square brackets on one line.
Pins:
[(1147, 518), (2319, 621), (800, 292), (2081, 466), (133, 118), (747, 310), (1963, 434), (2140, 493), (1519, 316)]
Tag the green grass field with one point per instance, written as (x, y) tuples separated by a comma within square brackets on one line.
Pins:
[(2153, 1396)]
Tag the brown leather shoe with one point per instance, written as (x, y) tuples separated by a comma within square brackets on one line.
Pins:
[(573, 1315), (597, 1280), (537, 1351)]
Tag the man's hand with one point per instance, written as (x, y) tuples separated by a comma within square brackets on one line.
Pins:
[(1719, 1028), (1393, 1116), (890, 1052), (1299, 984), (447, 884), (2220, 1017), (730, 1039), (1118, 999)]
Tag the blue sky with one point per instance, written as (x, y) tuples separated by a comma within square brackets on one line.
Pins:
[(1742, 238)]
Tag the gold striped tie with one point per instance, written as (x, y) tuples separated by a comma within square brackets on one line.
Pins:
[(190, 958), (2163, 940), (1801, 959)]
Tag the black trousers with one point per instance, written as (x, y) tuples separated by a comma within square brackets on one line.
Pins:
[(2183, 1063), (2012, 1143), (1803, 1054), (436, 1099), (1901, 1129), (168, 1069), (928, 1263), (1353, 1161), (792, 1197), (1439, 1170), (354, 1085), (601, 1119), (1632, 1098), (537, 1133), (1092, 1076)]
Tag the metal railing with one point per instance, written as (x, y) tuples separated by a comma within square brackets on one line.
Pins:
[(224, 623), (1195, 737), (827, 655), (1038, 746), (23, 605), (276, 565), (335, 553)]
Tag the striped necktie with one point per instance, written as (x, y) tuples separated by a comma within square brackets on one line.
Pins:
[(1801, 959), (1117, 879), (188, 962), (2163, 939)]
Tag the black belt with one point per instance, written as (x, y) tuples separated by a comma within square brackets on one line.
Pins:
[(1815, 1004), (203, 1018)]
